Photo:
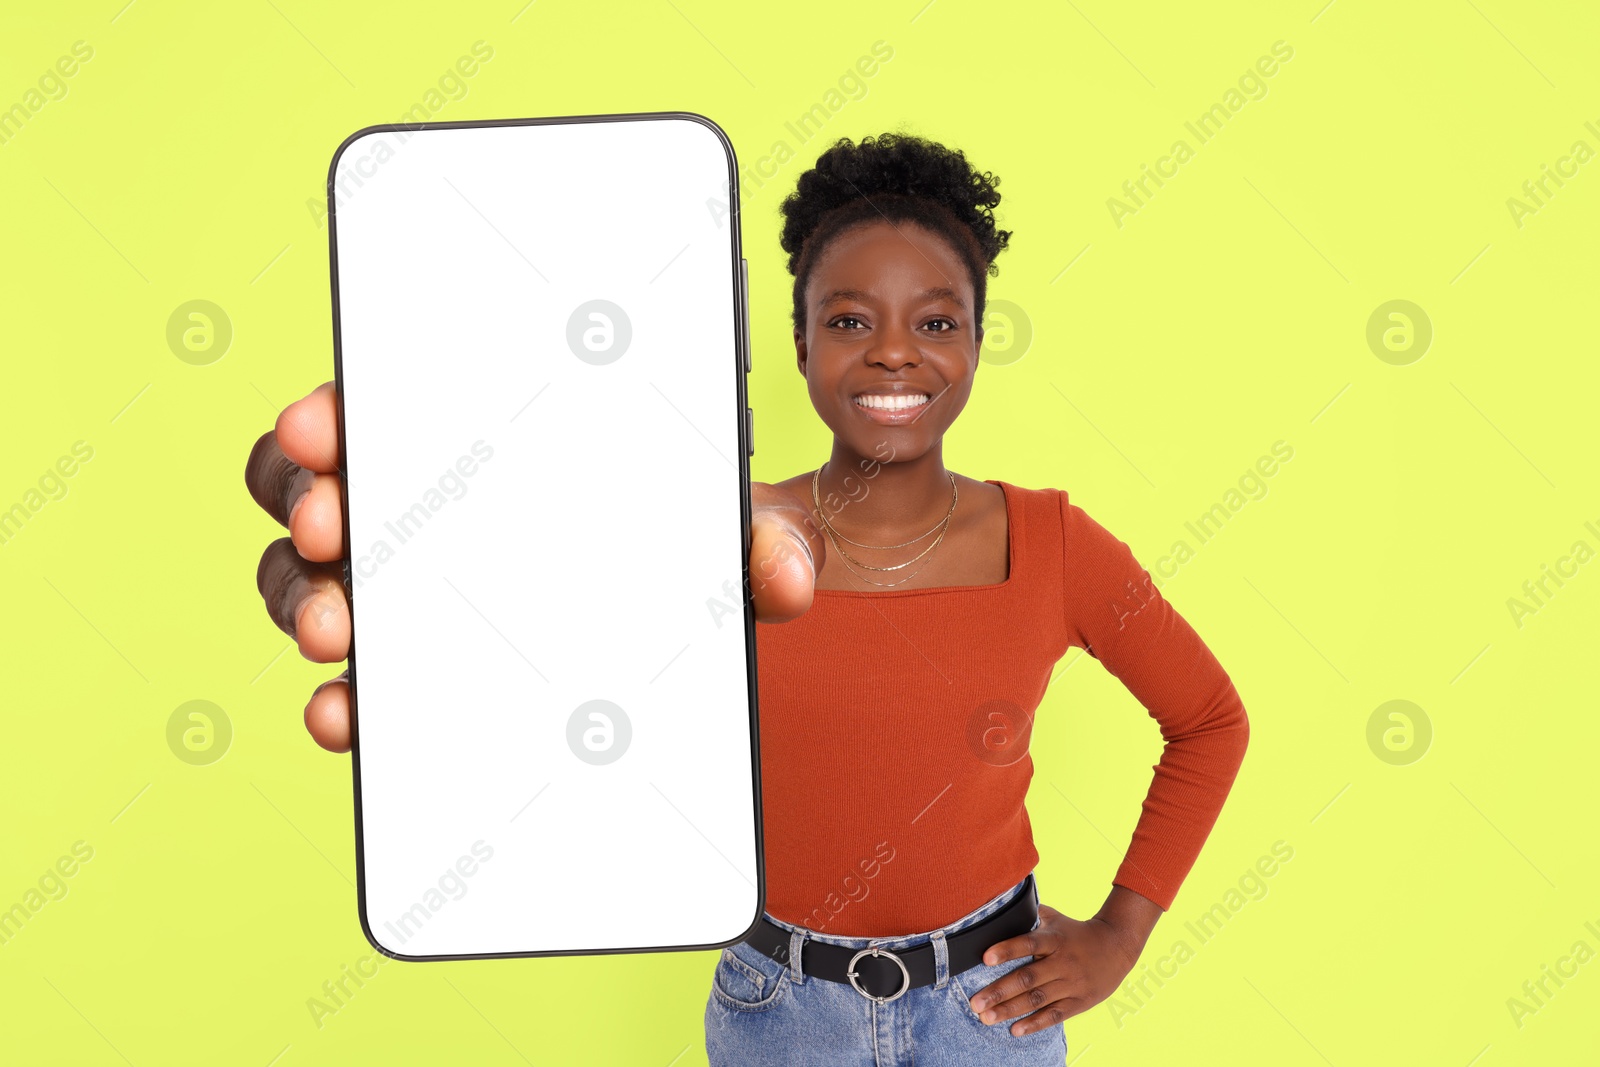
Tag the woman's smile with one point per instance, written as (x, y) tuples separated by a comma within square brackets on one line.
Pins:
[(893, 408)]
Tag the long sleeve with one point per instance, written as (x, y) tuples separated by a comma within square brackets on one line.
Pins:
[(1117, 615)]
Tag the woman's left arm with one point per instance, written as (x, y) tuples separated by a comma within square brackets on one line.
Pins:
[(1117, 615)]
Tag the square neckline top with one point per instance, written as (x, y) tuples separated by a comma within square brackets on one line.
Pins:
[(1012, 561)]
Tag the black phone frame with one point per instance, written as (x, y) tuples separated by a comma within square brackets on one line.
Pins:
[(741, 366)]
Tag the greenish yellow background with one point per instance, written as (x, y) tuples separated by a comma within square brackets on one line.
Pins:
[(1167, 354)]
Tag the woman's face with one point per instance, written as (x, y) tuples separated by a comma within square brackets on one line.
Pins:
[(890, 344)]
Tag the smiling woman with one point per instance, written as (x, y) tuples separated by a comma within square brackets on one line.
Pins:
[(911, 621), (897, 705)]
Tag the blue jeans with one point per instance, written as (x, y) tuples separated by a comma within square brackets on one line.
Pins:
[(762, 1011)]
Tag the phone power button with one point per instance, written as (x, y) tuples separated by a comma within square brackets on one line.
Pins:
[(744, 295), (750, 429)]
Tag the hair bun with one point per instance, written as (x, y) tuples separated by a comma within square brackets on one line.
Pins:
[(898, 177)]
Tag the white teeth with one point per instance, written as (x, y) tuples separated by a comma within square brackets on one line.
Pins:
[(895, 402)]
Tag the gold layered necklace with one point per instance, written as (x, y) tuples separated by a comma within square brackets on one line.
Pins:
[(834, 536)]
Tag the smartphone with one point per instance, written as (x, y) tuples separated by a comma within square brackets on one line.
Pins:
[(540, 346)]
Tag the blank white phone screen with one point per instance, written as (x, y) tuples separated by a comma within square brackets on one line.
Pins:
[(543, 421)]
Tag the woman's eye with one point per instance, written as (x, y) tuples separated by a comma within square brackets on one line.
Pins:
[(842, 319), (946, 324)]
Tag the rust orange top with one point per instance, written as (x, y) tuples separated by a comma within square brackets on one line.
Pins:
[(894, 729)]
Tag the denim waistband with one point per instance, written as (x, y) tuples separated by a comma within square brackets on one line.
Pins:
[(902, 941)]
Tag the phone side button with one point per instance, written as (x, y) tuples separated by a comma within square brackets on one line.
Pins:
[(744, 294), (750, 429)]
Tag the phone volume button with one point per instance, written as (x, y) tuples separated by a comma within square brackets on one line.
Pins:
[(750, 429), (744, 296)]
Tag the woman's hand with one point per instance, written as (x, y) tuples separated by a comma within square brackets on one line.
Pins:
[(294, 473), (787, 550), (1076, 965)]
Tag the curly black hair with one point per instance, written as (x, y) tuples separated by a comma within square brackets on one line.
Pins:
[(900, 178)]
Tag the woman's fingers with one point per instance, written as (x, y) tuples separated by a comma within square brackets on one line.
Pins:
[(293, 473), (304, 501), (328, 714), (306, 600), (786, 552), (308, 431)]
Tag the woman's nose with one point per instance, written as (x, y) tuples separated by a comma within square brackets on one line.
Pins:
[(893, 349)]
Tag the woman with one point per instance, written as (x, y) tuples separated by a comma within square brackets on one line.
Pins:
[(922, 614)]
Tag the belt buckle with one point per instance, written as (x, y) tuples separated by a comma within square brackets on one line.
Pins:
[(874, 950)]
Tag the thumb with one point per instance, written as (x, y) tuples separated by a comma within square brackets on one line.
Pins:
[(786, 552)]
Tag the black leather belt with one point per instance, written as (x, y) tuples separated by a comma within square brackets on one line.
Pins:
[(881, 975)]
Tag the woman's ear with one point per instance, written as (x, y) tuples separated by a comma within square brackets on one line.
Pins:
[(800, 351)]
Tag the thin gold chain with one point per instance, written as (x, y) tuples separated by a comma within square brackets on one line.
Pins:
[(816, 474), (834, 536), (887, 585), (897, 566)]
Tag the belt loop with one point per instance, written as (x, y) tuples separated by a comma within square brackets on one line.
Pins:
[(796, 941), (941, 960)]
